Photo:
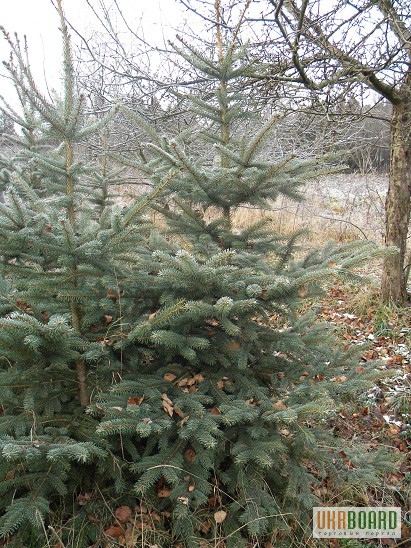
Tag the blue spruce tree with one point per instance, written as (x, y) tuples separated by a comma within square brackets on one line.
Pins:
[(167, 369), (227, 414), (66, 250)]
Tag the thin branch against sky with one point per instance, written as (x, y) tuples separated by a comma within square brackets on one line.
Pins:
[(154, 22)]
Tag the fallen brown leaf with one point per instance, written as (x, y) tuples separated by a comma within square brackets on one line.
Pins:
[(189, 455), (123, 513), (114, 531), (170, 377), (220, 516)]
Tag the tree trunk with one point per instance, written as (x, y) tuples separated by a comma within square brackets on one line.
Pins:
[(398, 203)]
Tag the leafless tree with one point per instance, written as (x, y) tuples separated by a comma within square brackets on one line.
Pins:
[(361, 45)]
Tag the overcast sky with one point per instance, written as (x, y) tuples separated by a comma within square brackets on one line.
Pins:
[(39, 20)]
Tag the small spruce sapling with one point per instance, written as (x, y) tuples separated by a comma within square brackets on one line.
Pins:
[(65, 251), (227, 413)]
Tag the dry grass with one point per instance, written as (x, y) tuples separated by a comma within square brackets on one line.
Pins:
[(339, 207)]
